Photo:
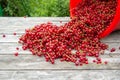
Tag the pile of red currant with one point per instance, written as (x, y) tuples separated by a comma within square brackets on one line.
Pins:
[(76, 40)]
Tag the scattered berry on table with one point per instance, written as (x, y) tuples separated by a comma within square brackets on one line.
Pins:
[(4, 35), (14, 33), (17, 48), (16, 54), (112, 50)]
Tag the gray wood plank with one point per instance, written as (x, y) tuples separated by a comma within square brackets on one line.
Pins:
[(5, 19), (11, 62), (19, 27), (19, 24), (61, 75), (7, 22), (10, 48), (10, 21), (114, 37)]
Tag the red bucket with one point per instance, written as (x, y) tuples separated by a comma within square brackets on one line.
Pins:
[(114, 25)]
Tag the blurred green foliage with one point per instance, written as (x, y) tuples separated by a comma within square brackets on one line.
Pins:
[(54, 8), (1, 11)]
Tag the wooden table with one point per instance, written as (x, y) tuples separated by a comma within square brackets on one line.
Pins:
[(29, 67)]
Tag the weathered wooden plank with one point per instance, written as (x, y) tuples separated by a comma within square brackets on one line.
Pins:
[(5, 19), (33, 62), (10, 48), (30, 21), (22, 20), (61, 75), (21, 30), (114, 37), (22, 26)]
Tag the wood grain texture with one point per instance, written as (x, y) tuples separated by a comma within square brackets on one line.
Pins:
[(29, 67), (34, 62), (11, 47), (61, 75), (113, 37)]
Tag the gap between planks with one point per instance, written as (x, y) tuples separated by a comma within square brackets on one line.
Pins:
[(61, 75)]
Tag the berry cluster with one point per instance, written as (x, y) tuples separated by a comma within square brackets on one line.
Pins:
[(76, 40)]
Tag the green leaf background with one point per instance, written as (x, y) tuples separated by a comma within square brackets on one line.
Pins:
[(36, 8)]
